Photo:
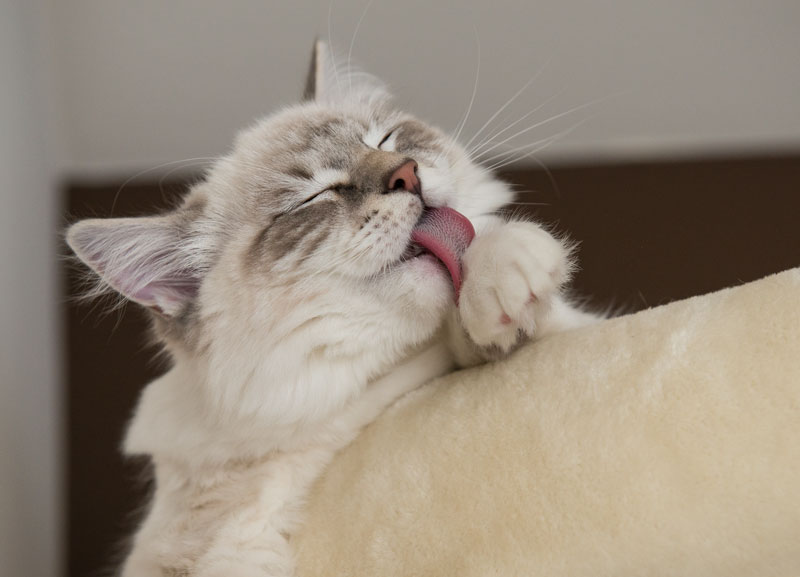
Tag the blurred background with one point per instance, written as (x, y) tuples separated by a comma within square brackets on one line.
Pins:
[(666, 133)]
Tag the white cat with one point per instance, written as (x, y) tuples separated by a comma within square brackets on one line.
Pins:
[(296, 308)]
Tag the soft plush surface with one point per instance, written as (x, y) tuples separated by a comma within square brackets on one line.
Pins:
[(662, 443)]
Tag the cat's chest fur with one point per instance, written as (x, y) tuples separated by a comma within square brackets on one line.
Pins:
[(229, 496)]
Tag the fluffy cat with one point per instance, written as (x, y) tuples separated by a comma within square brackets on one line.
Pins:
[(295, 309)]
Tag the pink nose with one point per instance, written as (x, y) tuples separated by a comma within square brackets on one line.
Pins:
[(405, 178)]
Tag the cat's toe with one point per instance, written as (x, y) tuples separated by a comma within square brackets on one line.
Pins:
[(511, 277), (498, 316), (483, 317)]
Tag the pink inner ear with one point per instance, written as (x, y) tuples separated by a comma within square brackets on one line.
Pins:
[(141, 258), (150, 281), (167, 296)]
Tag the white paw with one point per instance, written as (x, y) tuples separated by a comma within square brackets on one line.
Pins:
[(511, 274)]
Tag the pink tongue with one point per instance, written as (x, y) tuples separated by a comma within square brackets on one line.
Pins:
[(446, 233)]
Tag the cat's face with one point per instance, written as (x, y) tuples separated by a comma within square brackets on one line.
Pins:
[(295, 250), (333, 191)]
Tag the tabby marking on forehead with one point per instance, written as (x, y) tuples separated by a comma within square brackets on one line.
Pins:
[(331, 130), (299, 171), (416, 135)]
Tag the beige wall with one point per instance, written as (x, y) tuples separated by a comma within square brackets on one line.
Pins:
[(30, 414), (148, 82)]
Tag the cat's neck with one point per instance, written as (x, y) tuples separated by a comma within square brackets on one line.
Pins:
[(174, 422)]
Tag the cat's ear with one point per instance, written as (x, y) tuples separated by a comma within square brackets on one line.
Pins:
[(144, 259), (333, 83), (317, 73)]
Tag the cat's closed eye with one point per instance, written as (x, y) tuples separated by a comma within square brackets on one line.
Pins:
[(324, 194), (386, 138)]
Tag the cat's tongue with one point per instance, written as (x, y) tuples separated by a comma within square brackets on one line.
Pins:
[(446, 233)]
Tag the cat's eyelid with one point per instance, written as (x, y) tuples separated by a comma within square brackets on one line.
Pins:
[(376, 136), (387, 137), (316, 195)]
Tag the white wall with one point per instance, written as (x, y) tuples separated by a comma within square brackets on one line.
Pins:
[(30, 415), (150, 81)]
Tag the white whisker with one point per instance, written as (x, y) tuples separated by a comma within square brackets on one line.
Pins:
[(548, 120), (474, 86), (330, 48), (506, 105), (549, 174), (181, 163), (460, 125), (558, 135), (476, 151), (352, 43), (547, 142)]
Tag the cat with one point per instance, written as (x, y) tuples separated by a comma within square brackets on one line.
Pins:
[(295, 309)]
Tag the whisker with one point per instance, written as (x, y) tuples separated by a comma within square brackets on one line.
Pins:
[(474, 87), (183, 162), (507, 104), (330, 48), (489, 139), (522, 148), (460, 125), (548, 120), (549, 174), (544, 145), (477, 152), (353, 41), (511, 156)]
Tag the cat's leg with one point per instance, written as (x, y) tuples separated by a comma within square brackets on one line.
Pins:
[(235, 521), (256, 508), (254, 541), (514, 275), (247, 547), (159, 546), (247, 529), (226, 521)]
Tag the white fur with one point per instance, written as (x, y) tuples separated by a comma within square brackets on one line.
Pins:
[(292, 363)]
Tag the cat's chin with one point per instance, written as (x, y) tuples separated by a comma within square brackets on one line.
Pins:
[(426, 282), (428, 261), (417, 258)]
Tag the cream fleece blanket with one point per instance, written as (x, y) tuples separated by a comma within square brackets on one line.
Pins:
[(662, 443)]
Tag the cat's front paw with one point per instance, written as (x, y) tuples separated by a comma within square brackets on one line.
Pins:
[(511, 274)]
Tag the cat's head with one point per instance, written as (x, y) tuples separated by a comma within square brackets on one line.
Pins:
[(293, 253)]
